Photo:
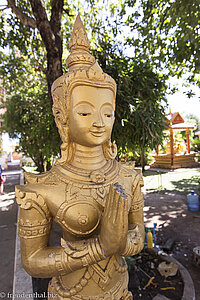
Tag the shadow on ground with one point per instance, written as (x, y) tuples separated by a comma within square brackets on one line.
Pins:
[(169, 211)]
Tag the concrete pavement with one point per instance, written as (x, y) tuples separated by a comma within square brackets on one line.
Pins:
[(14, 281)]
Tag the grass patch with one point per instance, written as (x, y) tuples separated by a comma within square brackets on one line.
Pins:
[(30, 169), (180, 181)]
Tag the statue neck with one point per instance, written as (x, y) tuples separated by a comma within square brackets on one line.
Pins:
[(88, 158)]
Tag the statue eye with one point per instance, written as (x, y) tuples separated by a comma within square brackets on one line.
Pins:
[(108, 115), (84, 114)]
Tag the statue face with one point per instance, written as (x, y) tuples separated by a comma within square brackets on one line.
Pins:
[(91, 115)]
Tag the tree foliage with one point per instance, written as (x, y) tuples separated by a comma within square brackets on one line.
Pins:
[(196, 145), (31, 61), (33, 29), (37, 34), (140, 116), (167, 32), (30, 119)]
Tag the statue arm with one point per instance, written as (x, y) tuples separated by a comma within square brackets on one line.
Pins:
[(40, 260), (136, 233)]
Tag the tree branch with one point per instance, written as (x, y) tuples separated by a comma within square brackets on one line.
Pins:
[(51, 40), (26, 20), (2, 9), (43, 24), (67, 11), (56, 15)]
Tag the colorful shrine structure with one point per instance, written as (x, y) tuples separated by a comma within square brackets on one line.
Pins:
[(174, 158)]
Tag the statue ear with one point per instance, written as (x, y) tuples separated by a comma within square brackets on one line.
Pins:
[(110, 150), (60, 117), (67, 153)]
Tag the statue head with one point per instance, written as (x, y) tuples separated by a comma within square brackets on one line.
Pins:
[(85, 79)]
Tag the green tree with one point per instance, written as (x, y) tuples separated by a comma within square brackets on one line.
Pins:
[(196, 145), (192, 118), (29, 118), (32, 38), (37, 32), (166, 31), (140, 116), (33, 29), (142, 112)]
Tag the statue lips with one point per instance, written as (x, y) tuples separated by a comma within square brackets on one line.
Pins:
[(97, 133)]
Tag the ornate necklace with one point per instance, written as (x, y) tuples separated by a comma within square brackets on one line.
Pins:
[(104, 176)]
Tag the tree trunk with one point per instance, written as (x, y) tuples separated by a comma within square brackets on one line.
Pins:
[(54, 70), (39, 162), (50, 32), (48, 166), (142, 159)]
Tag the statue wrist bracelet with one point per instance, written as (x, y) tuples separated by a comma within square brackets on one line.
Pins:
[(59, 263), (95, 253)]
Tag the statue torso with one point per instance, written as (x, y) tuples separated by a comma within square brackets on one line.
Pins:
[(76, 200)]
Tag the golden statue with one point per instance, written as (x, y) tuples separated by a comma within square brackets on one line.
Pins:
[(97, 202)]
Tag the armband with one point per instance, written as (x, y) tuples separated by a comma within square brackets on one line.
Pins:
[(82, 253), (37, 222), (36, 229)]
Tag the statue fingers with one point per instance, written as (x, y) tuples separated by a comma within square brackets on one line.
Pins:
[(115, 206), (125, 218), (108, 205), (119, 214)]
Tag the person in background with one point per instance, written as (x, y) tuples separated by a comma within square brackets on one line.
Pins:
[(3, 180)]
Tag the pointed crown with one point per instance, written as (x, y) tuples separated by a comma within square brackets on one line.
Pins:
[(80, 47), (83, 70)]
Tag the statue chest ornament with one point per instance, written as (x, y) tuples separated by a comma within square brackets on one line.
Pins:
[(79, 215), (81, 212), (84, 194)]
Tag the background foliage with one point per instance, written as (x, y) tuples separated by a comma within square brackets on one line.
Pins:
[(139, 43), (30, 119)]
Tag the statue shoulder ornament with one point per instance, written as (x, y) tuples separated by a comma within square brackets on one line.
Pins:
[(34, 219)]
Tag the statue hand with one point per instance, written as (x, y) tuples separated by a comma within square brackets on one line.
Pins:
[(114, 226)]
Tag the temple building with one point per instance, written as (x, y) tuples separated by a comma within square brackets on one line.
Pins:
[(177, 155)]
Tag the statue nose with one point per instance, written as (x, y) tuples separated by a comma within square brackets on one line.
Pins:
[(98, 121)]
